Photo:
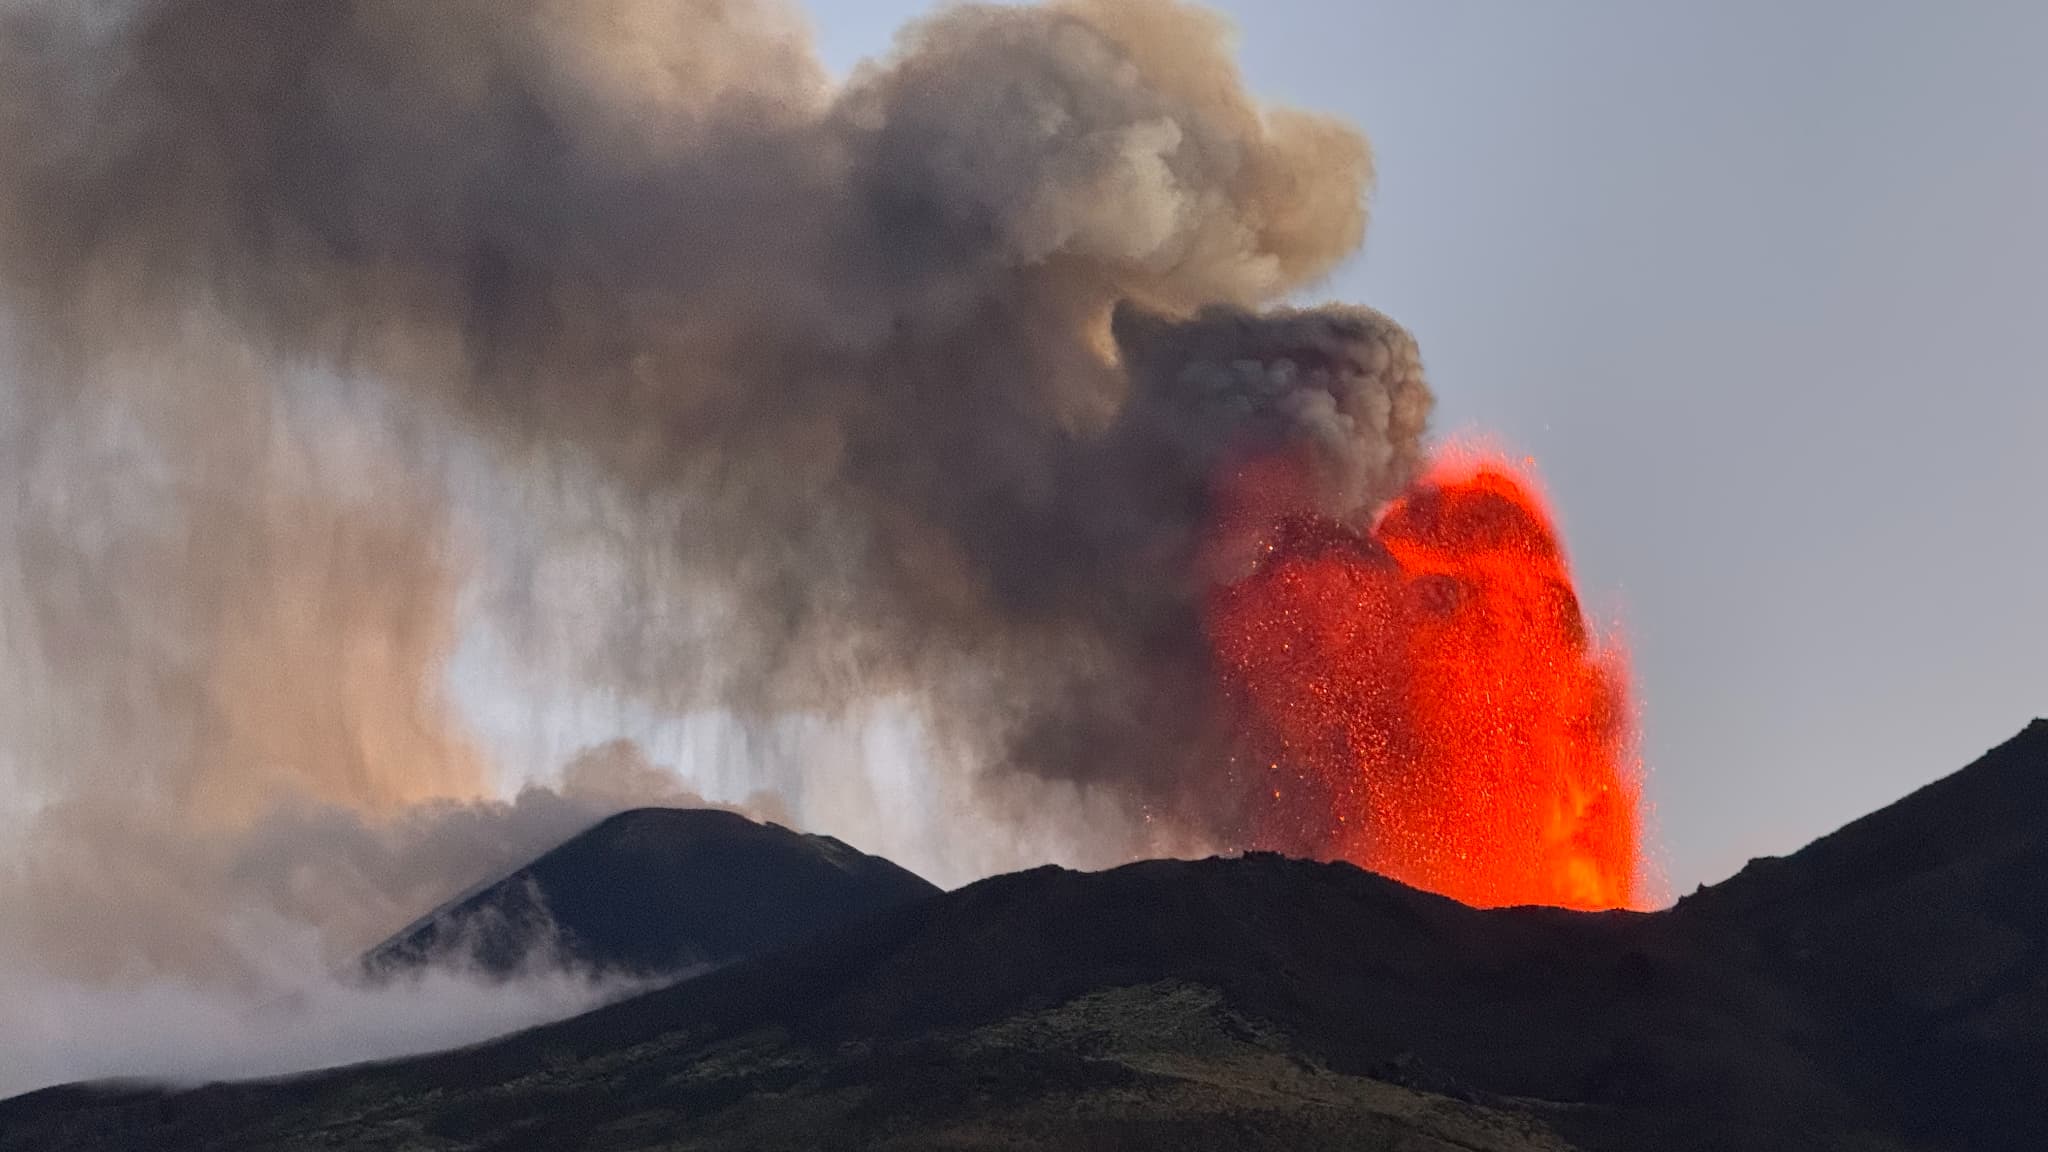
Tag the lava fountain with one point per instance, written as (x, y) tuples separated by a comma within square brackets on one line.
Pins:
[(1425, 698)]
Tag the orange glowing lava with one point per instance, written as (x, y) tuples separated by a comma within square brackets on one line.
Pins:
[(1427, 701)]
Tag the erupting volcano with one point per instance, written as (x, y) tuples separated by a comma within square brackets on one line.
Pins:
[(807, 407), (1426, 697)]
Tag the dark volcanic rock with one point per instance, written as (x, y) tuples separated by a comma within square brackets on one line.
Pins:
[(656, 891), (1884, 989)]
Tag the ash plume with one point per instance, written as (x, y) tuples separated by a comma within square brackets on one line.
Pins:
[(904, 391)]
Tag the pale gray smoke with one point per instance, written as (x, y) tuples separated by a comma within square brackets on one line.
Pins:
[(133, 944)]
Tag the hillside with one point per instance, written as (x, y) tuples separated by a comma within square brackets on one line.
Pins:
[(1885, 988), (655, 891)]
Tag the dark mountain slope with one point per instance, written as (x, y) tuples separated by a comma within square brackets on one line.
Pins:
[(1917, 940), (1268, 1003), (1606, 1019), (656, 891)]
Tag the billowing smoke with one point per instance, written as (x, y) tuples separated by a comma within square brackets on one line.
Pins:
[(699, 379)]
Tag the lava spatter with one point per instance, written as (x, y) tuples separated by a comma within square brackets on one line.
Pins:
[(1428, 701)]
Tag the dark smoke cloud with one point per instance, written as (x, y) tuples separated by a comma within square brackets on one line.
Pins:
[(907, 392), (862, 336)]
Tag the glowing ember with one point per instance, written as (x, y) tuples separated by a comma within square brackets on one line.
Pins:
[(1427, 700)]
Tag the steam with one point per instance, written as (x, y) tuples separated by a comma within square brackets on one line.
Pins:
[(185, 1034), (614, 332), (130, 945)]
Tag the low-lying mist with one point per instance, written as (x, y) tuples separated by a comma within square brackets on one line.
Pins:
[(131, 949)]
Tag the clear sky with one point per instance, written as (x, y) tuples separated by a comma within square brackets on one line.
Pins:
[(1763, 287)]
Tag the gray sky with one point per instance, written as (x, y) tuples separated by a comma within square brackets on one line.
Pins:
[(1760, 285)]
